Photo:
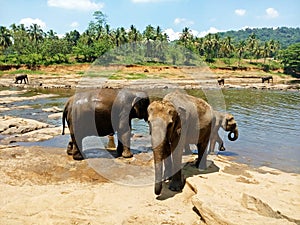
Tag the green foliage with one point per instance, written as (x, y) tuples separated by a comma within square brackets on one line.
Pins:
[(284, 35), (291, 60), (33, 47)]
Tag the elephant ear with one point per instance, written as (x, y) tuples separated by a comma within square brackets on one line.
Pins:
[(180, 117)]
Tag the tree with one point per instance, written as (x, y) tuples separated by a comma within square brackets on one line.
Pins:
[(291, 60), (252, 45), (36, 35), (240, 50), (72, 37), (5, 38)]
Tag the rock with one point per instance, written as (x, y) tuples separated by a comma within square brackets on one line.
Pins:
[(237, 195), (55, 115), (53, 109), (12, 125), (35, 135)]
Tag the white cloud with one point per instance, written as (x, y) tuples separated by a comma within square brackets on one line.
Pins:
[(240, 12), (29, 21), (87, 5), (211, 30), (272, 13), (183, 21), (74, 24), (172, 34)]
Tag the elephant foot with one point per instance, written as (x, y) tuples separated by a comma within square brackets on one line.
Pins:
[(70, 148), (127, 154), (176, 185), (78, 156), (222, 148)]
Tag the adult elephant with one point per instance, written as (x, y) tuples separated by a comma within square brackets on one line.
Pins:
[(103, 112), (177, 120), (228, 123)]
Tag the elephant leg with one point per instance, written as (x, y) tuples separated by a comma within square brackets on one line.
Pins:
[(202, 154), (168, 167), (212, 144), (120, 148), (220, 143), (123, 148), (187, 150), (70, 148), (177, 181), (77, 145), (77, 155), (111, 142)]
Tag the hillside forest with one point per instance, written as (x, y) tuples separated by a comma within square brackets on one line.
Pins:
[(266, 48)]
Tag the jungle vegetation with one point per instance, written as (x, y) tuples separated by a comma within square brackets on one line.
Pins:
[(266, 47)]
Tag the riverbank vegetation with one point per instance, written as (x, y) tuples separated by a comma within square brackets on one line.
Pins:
[(266, 49)]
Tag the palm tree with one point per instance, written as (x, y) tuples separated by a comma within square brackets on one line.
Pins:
[(149, 35), (36, 35), (240, 50), (216, 45), (252, 45), (266, 51), (5, 38), (185, 37), (51, 34), (133, 34)]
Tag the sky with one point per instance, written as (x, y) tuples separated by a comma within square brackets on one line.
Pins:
[(200, 16)]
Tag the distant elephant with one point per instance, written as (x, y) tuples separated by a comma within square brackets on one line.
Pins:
[(179, 119), (227, 122), (21, 78), (103, 112)]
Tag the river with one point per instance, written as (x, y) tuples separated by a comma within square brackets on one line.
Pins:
[(268, 122)]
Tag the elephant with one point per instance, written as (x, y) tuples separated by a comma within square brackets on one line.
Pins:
[(21, 78), (227, 122), (103, 112), (267, 78), (175, 121)]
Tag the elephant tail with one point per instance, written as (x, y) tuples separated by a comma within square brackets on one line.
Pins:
[(63, 120)]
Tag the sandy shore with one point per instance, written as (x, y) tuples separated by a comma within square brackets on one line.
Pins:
[(45, 186), (42, 185)]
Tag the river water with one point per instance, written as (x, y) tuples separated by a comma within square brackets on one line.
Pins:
[(268, 122)]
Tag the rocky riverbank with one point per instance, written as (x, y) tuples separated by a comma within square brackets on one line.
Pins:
[(144, 77), (43, 184)]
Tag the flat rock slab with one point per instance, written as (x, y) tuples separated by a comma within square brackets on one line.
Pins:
[(26, 130), (237, 195)]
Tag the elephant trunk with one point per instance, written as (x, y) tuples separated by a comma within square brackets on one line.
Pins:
[(158, 165), (158, 178), (235, 133)]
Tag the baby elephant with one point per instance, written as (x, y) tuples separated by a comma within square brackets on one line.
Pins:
[(227, 122), (21, 78)]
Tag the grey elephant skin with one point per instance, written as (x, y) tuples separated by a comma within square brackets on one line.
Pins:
[(177, 120), (103, 112), (228, 123)]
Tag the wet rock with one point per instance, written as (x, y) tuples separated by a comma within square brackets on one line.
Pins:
[(13, 125), (34, 136), (11, 99), (55, 115), (26, 130), (53, 109)]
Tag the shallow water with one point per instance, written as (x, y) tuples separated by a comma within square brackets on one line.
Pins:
[(269, 127), (268, 121)]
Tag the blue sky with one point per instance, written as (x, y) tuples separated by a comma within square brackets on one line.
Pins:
[(201, 16)]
